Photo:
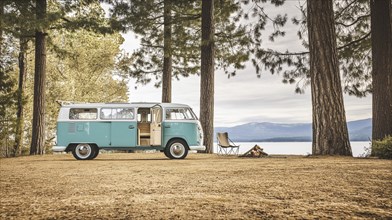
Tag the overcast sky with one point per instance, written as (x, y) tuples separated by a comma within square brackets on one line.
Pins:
[(246, 98)]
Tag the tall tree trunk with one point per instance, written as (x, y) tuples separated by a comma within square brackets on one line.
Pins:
[(381, 13), (330, 134), (19, 113), (167, 60), (207, 74), (38, 129), (1, 26)]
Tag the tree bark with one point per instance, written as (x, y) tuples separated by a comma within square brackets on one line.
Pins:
[(207, 74), (38, 129), (381, 13), (19, 113), (330, 134), (167, 47), (1, 26)]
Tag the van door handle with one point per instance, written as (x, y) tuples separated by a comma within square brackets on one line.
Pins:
[(167, 126), (131, 127)]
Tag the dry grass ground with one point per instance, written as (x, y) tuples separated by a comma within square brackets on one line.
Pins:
[(149, 186)]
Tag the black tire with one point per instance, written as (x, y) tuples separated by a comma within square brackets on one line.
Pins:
[(165, 152), (83, 151), (95, 153), (176, 149)]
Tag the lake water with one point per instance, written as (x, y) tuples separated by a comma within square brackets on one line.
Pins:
[(294, 148)]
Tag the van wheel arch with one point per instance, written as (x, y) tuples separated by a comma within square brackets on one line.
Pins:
[(70, 147), (176, 138)]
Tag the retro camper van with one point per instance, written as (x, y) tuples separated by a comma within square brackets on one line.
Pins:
[(84, 129)]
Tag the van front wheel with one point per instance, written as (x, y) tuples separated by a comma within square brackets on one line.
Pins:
[(83, 151), (176, 149), (95, 152)]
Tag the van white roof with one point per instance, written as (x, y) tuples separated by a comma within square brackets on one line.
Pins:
[(132, 104)]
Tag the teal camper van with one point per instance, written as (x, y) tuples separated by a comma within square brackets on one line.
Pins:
[(86, 128)]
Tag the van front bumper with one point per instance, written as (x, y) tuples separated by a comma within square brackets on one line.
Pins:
[(198, 147), (58, 148)]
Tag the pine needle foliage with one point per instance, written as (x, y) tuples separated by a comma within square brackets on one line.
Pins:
[(352, 21), (145, 19)]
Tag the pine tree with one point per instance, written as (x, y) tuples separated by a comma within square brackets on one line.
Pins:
[(22, 58), (38, 129), (381, 27), (330, 134), (207, 74), (22, 31), (167, 53), (6, 81)]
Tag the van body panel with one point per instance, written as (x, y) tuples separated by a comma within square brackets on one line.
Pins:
[(186, 130), (123, 133), (97, 132), (156, 123)]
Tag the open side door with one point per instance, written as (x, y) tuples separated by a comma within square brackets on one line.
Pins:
[(156, 125)]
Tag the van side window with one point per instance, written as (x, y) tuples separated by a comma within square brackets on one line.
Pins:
[(179, 114), (83, 113), (124, 113), (117, 113)]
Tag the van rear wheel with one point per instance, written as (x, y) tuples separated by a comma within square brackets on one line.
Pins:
[(176, 149), (83, 151), (167, 155)]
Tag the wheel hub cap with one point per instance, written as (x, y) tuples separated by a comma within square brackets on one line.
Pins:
[(83, 150), (177, 150)]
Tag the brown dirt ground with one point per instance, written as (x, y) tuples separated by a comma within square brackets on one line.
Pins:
[(149, 186)]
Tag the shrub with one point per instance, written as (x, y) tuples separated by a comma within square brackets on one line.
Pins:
[(382, 148)]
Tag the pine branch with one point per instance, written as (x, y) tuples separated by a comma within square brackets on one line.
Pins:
[(307, 52), (151, 46), (354, 22), (178, 19), (263, 12), (355, 41), (65, 19), (154, 18), (287, 53), (136, 72), (344, 9), (61, 72), (27, 36), (227, 36)]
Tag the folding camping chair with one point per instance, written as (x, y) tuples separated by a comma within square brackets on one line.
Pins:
[(224, 145)]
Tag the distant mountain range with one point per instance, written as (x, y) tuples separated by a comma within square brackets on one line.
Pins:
[(360, 130)]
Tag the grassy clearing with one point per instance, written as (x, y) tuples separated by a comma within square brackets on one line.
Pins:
[(201, 186)]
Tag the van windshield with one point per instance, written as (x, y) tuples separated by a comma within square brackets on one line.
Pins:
[(179, 114)]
